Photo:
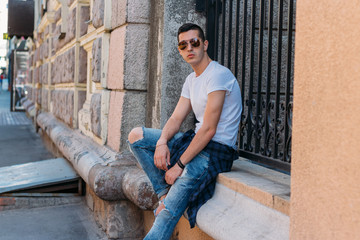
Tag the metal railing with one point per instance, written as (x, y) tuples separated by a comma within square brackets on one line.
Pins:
[(244, 36)]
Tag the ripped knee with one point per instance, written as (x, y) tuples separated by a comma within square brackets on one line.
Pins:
[(135, 135)]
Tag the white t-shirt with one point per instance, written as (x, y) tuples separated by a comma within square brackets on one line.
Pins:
[(216, 77)]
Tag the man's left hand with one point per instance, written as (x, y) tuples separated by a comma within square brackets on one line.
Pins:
[(172, 174)]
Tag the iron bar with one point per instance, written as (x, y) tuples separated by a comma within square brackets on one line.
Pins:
[(287, 139), (259, 80), (251, 68), (267, 151), (243, 69), (223, 12), (277, 121), (216, 29), (237, 20), (229, 35), (265, 127)]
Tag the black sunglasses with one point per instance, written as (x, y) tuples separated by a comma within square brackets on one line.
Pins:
[(194, 42)]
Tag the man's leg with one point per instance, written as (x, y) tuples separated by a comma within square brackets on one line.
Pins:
[(177, 198), (142, 142)]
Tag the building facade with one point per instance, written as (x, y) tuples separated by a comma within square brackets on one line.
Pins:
[(99, 68)]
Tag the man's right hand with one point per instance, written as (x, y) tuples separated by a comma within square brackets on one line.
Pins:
[(162, 157)]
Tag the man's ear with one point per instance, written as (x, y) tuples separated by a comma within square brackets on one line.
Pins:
[(206, 44)]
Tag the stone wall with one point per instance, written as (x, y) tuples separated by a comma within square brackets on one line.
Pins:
[(105, 67)]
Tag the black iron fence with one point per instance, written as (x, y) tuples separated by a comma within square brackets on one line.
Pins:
[(255, 39)]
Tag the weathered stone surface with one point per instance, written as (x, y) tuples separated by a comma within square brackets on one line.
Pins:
[(95, 110), (46, 48), (57, 43), (40, 74), (130, 11), (36, 75), (84, 17), (44, 99), (41, 50), (30, 76), (120, 219), (44, 73), (63, 105), (69, 66), (81, 99), (71, 27), (105, 103), (46, 31), (98, 13), (37, 55), (69, 2), (127, 110), (38, 96), (128, 57), (170, 70), (57, 15), (96, 60), (82, 65)]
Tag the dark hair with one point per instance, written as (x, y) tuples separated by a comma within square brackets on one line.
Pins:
[(191, 26)]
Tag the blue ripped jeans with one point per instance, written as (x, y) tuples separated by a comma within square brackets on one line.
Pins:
[(178, 194)]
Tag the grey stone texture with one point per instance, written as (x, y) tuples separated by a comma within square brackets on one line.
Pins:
[(128, 63), (167, 68), (127, 110), (69, 66), (120, 219), (63, 68), (46, 48), (95, 111), (36, 75), (38, 96), (129, 11), (96, 60), (69, 2), (136, 57), (71, 27), (81, 99), (63, 105), (46, 31), (57, 43), (44, 74), (82, 65), (57, 15), (44, 99), (84, 17), (98, 13)]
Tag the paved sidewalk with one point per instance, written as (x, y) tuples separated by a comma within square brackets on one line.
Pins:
[(67, 222), (19, 142), (37, 216)]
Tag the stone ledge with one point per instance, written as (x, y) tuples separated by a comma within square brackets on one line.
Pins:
[(250, 202), (266, 186), (112, 176)]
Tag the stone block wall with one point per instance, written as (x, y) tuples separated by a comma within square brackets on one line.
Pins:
[(58, 64), (114, 68)]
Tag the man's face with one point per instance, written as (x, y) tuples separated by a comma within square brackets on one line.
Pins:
[(192, 55)]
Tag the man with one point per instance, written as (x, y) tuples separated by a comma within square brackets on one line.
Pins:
[(182, 167)]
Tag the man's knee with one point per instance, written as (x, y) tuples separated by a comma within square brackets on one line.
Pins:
[(135, 135)]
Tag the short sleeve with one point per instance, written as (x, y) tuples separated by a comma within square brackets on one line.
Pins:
[(221, 82), (185, 92)]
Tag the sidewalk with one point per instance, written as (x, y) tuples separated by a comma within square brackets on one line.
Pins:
[(37, 216), (19, 142)]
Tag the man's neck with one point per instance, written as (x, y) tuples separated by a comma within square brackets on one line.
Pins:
[(200, 68)]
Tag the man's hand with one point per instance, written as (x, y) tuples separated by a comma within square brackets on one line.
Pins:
[(162, 156), (173, 174)]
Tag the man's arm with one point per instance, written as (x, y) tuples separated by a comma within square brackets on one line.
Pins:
[(203, 136), (172, 126)]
